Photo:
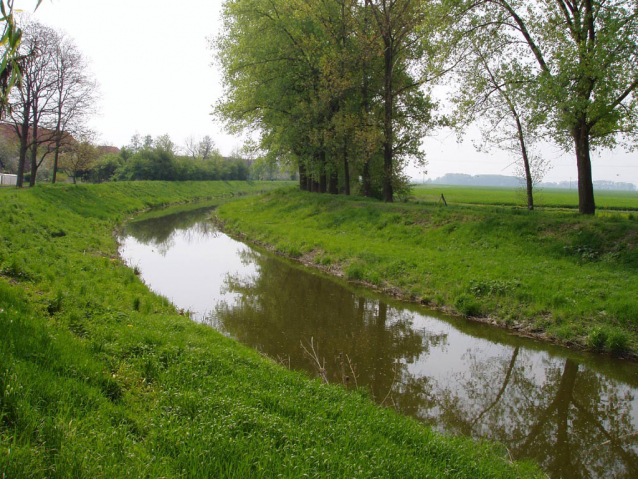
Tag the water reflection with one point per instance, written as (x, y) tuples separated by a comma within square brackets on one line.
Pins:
[(575, 414)]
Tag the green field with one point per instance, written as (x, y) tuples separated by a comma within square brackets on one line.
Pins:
[(552, 273), (101, 378), (543, 197)]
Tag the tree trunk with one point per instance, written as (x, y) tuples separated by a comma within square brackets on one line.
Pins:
[(366, 183), (303, 180), (346, 169), (34, 144), (528, 171), (388, 194), (323, 178), (24, 146), (55, 166), (333, 183), (586, 203)]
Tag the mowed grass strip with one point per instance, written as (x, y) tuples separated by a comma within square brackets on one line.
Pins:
[(507, 196), (101, 378), (556, 274)]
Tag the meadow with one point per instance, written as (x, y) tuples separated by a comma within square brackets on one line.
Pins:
[(551, 273), (543, 197), (99, 377)]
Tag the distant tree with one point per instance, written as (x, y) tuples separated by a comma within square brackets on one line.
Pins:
[(135, 144), (8, 156), (79, 158), (164, 143), (191, 147), (147, 143), (105, 167), (206, 147)]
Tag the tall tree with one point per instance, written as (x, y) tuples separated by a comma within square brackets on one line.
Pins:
[(586, 56), (494, 89), (398, 23), (32, 103), (75, 95)]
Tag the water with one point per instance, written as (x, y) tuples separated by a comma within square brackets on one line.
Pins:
[(576, 414)]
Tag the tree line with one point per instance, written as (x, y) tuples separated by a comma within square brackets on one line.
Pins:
[(145, 158), (342, 89), (48, 96)]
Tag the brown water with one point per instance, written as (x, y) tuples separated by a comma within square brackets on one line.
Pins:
[(575, 414)]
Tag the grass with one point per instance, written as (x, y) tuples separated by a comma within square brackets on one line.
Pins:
[(99, 377), (555, 274), (543, 197)]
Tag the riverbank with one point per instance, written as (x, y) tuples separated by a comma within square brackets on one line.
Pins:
[(99, 377), (555, 275)]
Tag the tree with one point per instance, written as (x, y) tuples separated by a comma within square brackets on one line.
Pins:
[(165, 144), (310, 77), (33, 101), (494, 87), (105, 167), (79, 158), (586, 58), (75, 95), (191, 146), (397, 22), (206, 147)]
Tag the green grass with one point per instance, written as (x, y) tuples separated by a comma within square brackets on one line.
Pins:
[(543, 197), (555, 273), (101, 378)]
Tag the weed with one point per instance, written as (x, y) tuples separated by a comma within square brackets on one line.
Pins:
[(355, 271), (617, 341), (597, 338), (467, 305)]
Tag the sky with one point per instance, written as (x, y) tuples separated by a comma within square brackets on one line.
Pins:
[(154, 64)]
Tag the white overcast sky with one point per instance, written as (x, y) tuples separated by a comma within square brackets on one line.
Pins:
[(153, 62)]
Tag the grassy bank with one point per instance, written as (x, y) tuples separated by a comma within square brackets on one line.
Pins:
[(543, 197), (554, 274), (101, 378)]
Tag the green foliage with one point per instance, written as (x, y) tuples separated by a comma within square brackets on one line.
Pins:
[(333, 104), (550, 271), (105, 167), (159, 164), (579, 62), (99, 377)]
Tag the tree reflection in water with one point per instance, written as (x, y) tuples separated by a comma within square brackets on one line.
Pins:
[(574, 421), (160, 233), (378, 340)]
